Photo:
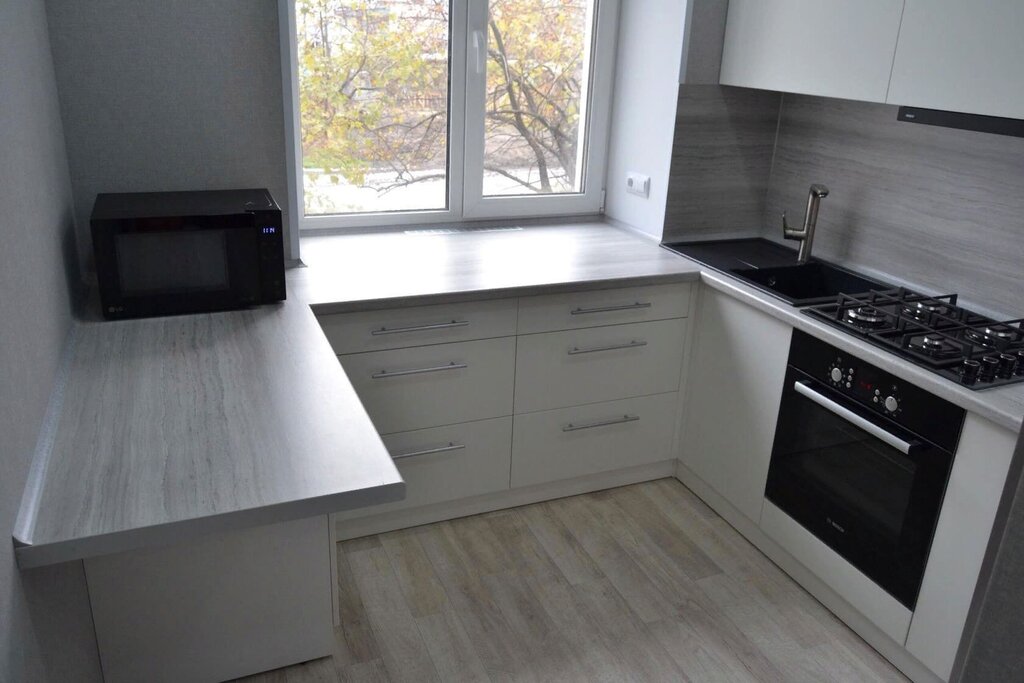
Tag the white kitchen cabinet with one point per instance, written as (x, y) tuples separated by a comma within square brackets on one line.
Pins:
[(832, 48), (958, 547), (599, 307), (430, 386), (585, 440), (396, 328), (735, 383), (560, 369), (961, 56), (447, 463)]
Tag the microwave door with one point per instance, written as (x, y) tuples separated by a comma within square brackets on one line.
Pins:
[(205, 268), (161, 263)]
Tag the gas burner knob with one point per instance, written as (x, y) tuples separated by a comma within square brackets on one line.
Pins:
[(969, 371), (1007, 365), (836, 374), (892, 404), (989, 368)]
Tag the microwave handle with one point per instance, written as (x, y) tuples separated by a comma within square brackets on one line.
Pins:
[(903, 446)]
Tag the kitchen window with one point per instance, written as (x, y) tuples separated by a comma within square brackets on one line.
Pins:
[(426, 111)]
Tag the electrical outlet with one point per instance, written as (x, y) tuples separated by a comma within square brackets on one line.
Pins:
[(638, 184)]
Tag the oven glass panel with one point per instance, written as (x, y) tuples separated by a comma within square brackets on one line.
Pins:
[(173, 262), (824, 454)]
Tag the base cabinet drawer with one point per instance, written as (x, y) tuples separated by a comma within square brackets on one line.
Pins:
[(428, 386), (560, 369), (600, 437), (394, 328), (448, 463), (551, 312)]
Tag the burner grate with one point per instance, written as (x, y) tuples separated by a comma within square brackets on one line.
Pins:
[(934, 332)]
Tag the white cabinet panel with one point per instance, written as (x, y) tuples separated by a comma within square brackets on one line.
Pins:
[(448, 463), (574, 442), (735, 386), (961, 56), (961, 536), (430, 386), (550, 312), (394, 328), (833, 48), (568, 368)]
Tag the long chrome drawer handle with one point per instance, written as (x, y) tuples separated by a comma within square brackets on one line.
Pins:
[(609, 309), (452, 446), (383, 374), (420, 328), (853, 418), (615, 347), (606, 423)]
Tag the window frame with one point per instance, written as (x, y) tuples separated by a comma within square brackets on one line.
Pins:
[(465, 134)]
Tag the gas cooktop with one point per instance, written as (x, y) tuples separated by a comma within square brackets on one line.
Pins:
[(933, 332)]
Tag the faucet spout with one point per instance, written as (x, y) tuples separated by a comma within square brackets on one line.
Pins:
[(805, 234)]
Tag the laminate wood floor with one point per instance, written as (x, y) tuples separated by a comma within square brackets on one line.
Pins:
[(639, 583)]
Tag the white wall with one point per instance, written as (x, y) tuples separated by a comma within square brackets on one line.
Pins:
[(46, 632), (644, 110), (160, 95)]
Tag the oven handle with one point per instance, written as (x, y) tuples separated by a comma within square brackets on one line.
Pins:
[(804, 389)]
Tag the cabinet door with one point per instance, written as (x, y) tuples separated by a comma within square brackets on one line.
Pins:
[(735, 387), (958, 547), (961, 56), (833, 48)]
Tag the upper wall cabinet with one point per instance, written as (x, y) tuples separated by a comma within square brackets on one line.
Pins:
[(961, 56), (832, 48)]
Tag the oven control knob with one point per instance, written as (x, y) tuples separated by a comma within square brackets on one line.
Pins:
[(891, 404), (836, 375)]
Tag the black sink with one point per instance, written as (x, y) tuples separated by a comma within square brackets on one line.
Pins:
[(810, 283)]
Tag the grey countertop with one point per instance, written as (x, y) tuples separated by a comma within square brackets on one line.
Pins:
[(391, 269), (166, 428)]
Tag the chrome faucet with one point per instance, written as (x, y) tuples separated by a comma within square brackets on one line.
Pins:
[(806, 233)]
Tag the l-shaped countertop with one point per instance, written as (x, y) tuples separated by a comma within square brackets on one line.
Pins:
[(163, 429)]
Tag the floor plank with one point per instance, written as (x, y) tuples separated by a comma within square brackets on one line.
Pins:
[(640, 583)]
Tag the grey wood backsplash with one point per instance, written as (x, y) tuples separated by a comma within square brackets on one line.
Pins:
[(721, 160), (939, 208)]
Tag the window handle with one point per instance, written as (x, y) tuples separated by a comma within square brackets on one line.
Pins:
[(479, 45)]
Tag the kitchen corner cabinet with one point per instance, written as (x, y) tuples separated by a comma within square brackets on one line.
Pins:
[(961, 56), (832, 48), (737, 370)]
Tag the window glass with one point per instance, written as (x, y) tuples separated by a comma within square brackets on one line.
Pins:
[(373, 97), (538, 67)]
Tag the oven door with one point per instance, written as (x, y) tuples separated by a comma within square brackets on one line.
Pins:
[(867, 488), (190, 264)]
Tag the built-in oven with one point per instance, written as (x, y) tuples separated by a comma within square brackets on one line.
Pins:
[(861, 460)]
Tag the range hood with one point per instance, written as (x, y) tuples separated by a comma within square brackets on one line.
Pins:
[(951, 119)]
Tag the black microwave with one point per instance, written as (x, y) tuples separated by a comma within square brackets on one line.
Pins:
[(165, 253)]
